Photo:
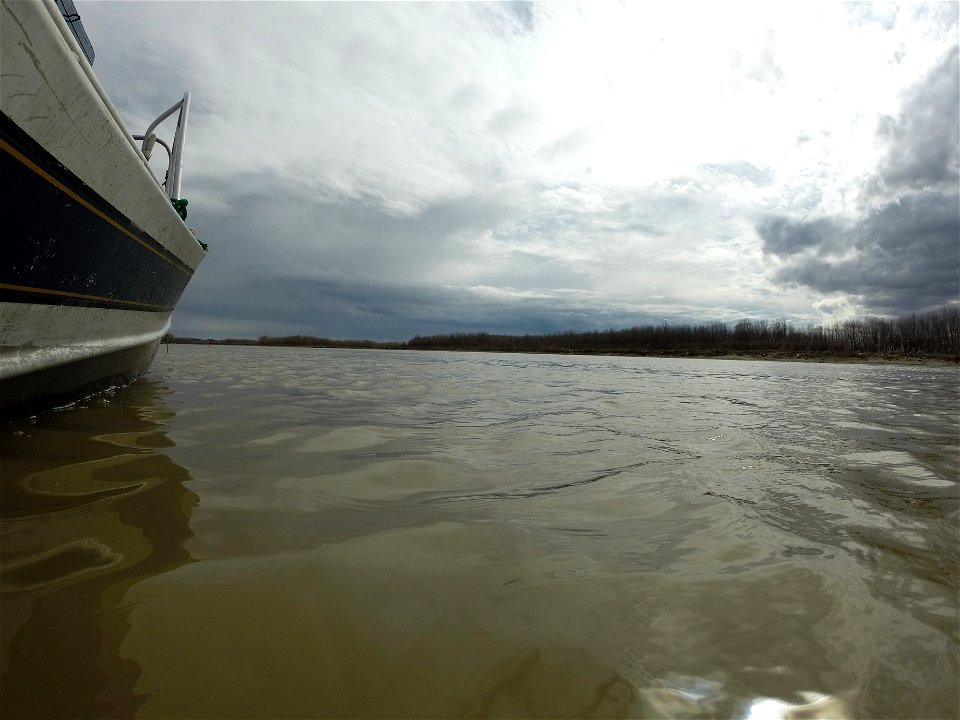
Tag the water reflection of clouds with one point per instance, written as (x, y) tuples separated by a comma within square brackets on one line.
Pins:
[(902, 465)]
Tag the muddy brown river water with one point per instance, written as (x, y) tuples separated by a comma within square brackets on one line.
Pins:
[(268, 532)]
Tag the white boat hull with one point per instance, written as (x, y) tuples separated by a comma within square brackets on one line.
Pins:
[(95, 256), (76, 362)]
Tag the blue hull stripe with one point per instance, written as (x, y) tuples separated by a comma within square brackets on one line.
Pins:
[(63, 244)]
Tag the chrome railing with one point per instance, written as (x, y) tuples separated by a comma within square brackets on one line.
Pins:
[(174, 153)]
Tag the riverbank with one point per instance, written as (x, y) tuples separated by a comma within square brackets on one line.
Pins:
[(928, 338), (822, 356)]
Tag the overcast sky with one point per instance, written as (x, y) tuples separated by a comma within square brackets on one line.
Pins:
[(381, 170)]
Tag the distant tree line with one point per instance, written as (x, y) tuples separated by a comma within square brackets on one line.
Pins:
[(310, 341), (933, 333), (289, 341)]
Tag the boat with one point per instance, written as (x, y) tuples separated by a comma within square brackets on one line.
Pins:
[(96, 251)]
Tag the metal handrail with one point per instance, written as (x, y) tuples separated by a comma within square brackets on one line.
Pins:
[(174, 154), (147, 146)]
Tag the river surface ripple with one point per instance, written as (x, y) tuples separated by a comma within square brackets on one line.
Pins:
[(266, 532)]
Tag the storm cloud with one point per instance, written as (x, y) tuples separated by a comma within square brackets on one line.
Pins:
[(902, 254), (903, 258), (922, 141)]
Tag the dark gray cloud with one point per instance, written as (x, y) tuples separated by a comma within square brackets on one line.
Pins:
[(902, 259), (295, 263), (903, 255), (922, 141), (342, 306), (783, 237)]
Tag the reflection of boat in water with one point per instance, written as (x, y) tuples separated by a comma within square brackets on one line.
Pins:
[(96, 250), (90, 509)]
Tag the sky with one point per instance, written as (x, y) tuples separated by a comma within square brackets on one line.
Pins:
[(382, 170)]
